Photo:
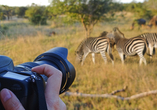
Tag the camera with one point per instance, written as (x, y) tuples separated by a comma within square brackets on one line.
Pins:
[(29, 86)]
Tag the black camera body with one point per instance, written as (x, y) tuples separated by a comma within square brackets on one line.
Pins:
[(29, 86), (23, 85)]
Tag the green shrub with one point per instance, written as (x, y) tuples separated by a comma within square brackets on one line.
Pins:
[(36, 15), (38, 19), (3, 29), (2, 17)]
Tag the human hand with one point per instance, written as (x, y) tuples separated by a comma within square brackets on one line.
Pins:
[(52, 87), (11, 102)]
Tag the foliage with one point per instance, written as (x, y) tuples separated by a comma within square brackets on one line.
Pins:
[(36, 14), (1, 14), (20, 11), (38, 19), (115, 7), (140, 10), (3, 28), (88, 12), (151, 5), (7, 11), (2, 17)]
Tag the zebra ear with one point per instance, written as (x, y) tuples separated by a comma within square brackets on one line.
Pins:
[(115, 28)]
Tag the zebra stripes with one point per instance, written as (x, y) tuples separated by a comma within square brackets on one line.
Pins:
[(126, 47), (129, 47), (93, 45), (110, 36), (152, 41)]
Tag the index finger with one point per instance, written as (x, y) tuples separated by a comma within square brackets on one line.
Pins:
[(53, 83), (54, 77), (52, 87)]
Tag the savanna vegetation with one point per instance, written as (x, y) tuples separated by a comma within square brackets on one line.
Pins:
[(23, 42)]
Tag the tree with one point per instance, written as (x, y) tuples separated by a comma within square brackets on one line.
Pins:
[(140, 10), (7, 11), (20, 11), (88, 12), (2, 17), (55, 10), (36, 14), (151, 5)]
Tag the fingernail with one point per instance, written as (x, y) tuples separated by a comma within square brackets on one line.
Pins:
[(5, 95)]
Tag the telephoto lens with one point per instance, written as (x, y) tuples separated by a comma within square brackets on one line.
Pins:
[(56, 57)]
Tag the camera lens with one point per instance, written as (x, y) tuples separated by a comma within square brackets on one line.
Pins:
[(56, 57)]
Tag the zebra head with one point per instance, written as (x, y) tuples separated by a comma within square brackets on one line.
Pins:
[(79, 55), (79, 52), (115, 35)]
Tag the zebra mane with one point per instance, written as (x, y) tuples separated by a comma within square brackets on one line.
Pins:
[(116, 29), (104, 33), (79, 48)]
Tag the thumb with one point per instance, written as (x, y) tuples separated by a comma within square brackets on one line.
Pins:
[(10, 101)]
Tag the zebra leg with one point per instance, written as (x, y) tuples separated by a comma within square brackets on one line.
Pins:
[(93, 57), (84, 57), (109, 52), (103, 56), (111, 57), (151, 50), (122, 56), (142, 59)]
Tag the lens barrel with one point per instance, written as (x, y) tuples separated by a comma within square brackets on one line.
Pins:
[(56, 57)]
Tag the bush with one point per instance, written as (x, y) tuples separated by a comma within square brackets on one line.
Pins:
[(3, 29), (2, 17), (38, 19), (36, 15)]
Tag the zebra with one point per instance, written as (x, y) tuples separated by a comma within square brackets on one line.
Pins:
[(153, 21), (152, 41), (110, 36), (130, 47), (94, 45)]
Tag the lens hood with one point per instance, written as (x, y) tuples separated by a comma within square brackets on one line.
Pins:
[(58, 58)]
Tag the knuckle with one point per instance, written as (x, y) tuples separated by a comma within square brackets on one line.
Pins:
[(59, 73)]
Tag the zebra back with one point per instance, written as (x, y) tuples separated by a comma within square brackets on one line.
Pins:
[(94, 44), (128, 46), (150, 37), (133, 44), (97, 44)]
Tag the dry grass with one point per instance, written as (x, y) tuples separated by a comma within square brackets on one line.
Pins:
[(90, 78)]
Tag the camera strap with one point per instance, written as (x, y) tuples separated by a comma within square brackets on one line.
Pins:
[(41, 94)]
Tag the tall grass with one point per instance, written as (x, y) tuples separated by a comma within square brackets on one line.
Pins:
[(90, 78)]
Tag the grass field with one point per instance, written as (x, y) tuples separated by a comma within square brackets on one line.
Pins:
[(23, 43)]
